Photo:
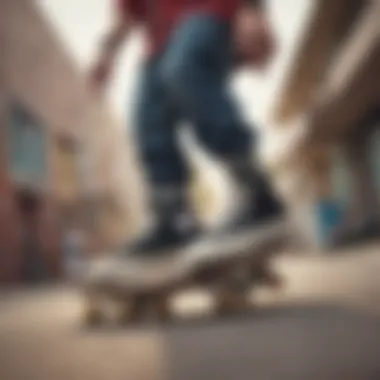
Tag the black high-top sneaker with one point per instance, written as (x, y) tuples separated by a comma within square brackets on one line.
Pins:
[(174, 226), (259, 203)]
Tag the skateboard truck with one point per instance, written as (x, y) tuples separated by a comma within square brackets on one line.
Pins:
[(229, 267)]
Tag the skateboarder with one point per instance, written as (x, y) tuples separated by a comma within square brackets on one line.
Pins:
[(193, 46)]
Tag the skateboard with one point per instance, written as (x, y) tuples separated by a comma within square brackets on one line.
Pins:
[(229, 266)]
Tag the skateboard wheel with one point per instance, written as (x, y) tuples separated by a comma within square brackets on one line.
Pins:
[(93, 317), (162, 309), (239, 280), (127, 315), (232, 303), (132, 311), (274, 280), (266, 276)]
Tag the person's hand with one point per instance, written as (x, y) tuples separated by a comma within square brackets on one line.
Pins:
[(253, 38), (99, 75)]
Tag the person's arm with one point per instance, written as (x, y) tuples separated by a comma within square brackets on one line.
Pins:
[(254, 40), (257, 4), (111, 43)]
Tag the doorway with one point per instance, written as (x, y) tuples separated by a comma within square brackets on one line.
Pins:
[(33, 266)]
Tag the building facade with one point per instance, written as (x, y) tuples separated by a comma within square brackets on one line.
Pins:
[(60, 151), (334, 86)]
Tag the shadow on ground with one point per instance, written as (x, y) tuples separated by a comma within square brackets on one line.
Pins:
[(319, 342)]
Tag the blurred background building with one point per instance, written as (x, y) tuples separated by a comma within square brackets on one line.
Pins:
[(333, 86), (58, 151)]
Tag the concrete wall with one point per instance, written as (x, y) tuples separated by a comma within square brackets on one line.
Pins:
[(333, 82), (328, 27), (351, 87)]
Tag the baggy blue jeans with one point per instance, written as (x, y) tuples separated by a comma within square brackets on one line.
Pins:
[(188, 82)]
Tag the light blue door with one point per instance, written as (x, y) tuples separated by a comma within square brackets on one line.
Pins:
[(26, 143)]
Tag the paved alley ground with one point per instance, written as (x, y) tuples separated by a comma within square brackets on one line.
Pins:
[(324, 325)]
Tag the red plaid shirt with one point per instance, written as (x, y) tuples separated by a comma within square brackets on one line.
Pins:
[(161, 16)]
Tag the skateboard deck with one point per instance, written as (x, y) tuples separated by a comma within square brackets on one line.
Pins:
[(228, 265)]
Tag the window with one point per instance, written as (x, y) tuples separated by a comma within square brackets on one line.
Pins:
[(64, 161), (26, 142)]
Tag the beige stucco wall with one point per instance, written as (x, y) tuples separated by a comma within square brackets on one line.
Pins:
[(38, 72)]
